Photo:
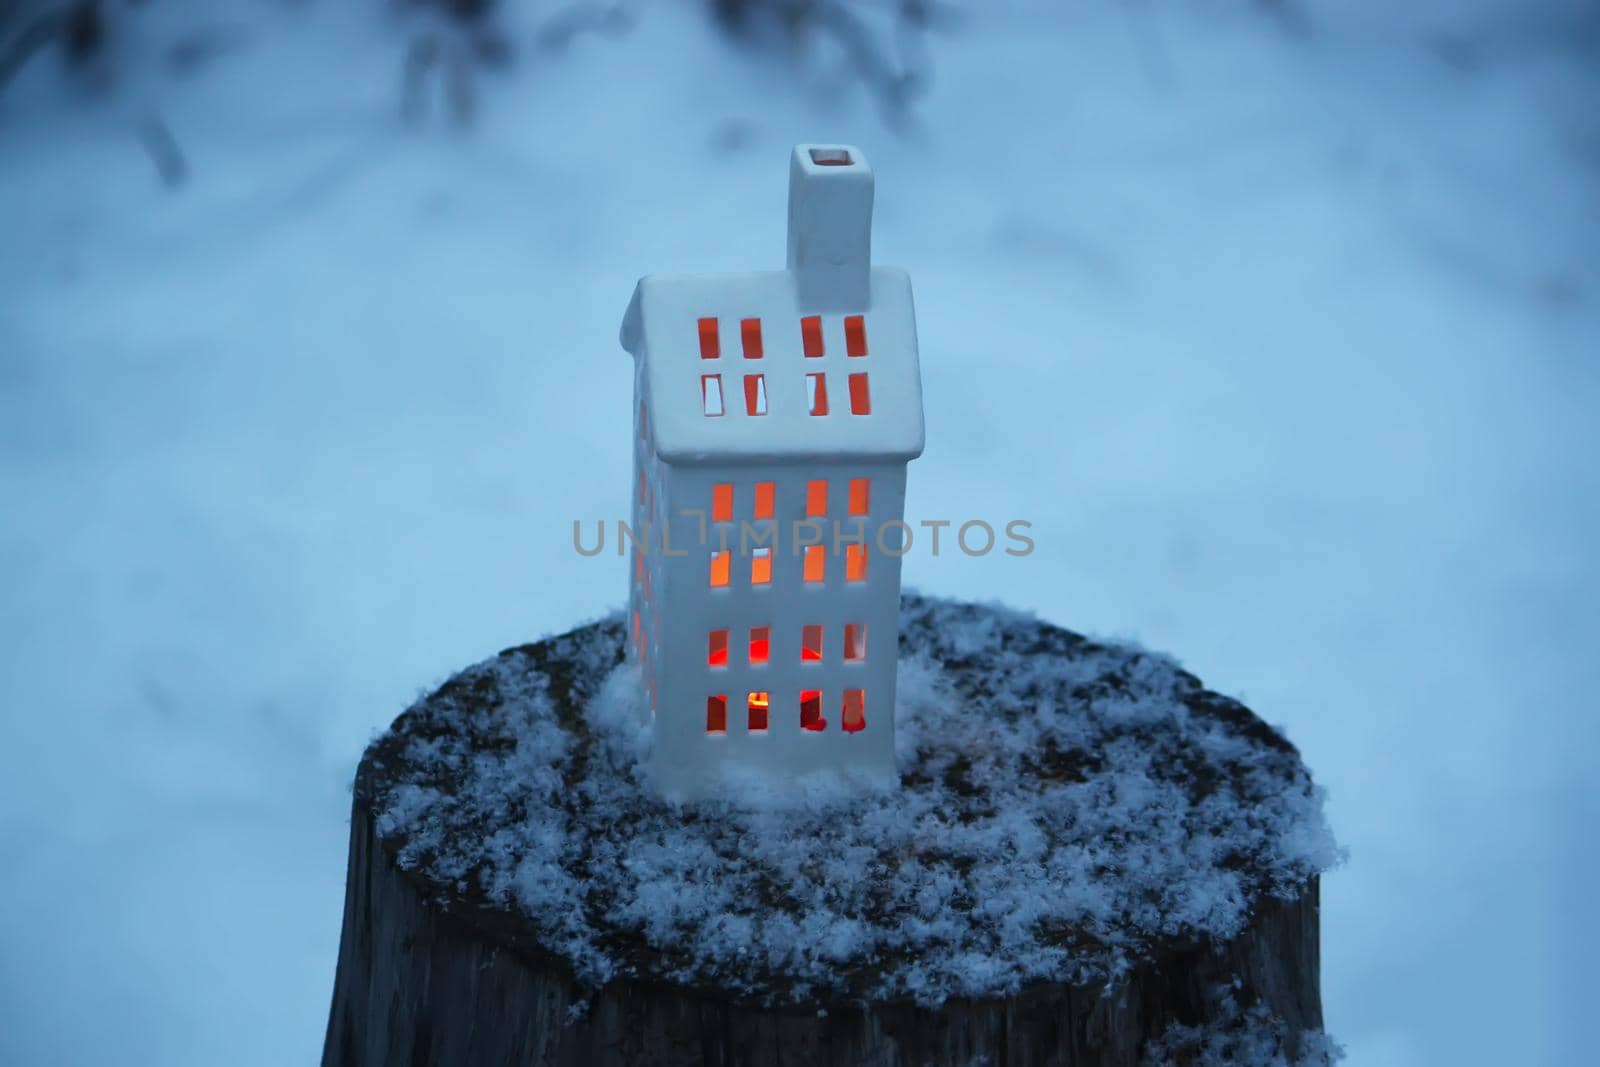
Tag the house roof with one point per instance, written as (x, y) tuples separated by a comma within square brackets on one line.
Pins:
[(663, 328), (732, 363)]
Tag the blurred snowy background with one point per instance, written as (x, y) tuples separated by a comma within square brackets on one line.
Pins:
[(1280, 321)]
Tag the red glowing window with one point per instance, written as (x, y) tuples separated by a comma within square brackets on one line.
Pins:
[(855, 335), (817, 394), (860, 401), (855, 563), (756, 712), (855, 641), (760, 643), (722, 502), (717, 649), (761, 566), (755, 394), (816, 563), (721, 566), (766, 492), (811, 335), (710, 345), (750, 337), (636, 628), (816, 499), (854, 717), (860, 495), (811, 710), (717, 714), (711, 395), (810, 642)]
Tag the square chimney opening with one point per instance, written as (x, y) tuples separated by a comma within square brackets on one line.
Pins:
[(831, 157)]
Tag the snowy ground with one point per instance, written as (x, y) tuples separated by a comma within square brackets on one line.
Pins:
[(1285, 340)]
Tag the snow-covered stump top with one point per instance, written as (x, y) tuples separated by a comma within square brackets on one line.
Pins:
[(1066, 806)]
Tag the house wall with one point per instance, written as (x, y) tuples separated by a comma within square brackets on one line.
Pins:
[(687, 758)]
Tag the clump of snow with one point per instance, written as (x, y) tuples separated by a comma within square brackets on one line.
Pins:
[(1241, 1037), (1063, 804)]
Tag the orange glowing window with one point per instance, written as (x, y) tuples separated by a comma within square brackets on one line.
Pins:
[(717, 714), (860, 495), (761, 566), (811, 710), (810, 642), (760, 643), (750, 337), (756, 712), (855, 563), (860, 401), (766, 493), (721, 566), (817, 394), (755, 394), (855, 641), (855, 335), (816, 499), (711, 395), (854, 716), (710, 345), (636, 628), (717, 649), (722, 502), (811, 335), (816, 563)]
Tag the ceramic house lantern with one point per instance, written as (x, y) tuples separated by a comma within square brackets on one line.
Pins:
[(776, 413)]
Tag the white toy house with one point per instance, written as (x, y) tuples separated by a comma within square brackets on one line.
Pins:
[(776, 413)]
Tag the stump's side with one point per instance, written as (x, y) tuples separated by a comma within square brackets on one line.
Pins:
[(419, 985)]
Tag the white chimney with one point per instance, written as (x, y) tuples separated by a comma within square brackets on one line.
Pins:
[(830, 226)]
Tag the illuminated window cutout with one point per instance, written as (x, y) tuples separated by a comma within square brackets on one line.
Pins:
[(855, 642), (755, 394), (750, 337), (717, 649), (722, 502), (760, 644), (860, 495), (637, 629), (756, 712), (721, 566), (710, 344), (816, 563), (817, 394), (855, 563), (860, 401), (761, 566), (717, 714), (811, 642), (647, 585), (711, 395), (811, 710), (766, 496), (816, 499), (854, 716), (855, 335), (811, 335)]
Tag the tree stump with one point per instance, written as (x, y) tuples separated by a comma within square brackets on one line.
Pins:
[(1092, 860)]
